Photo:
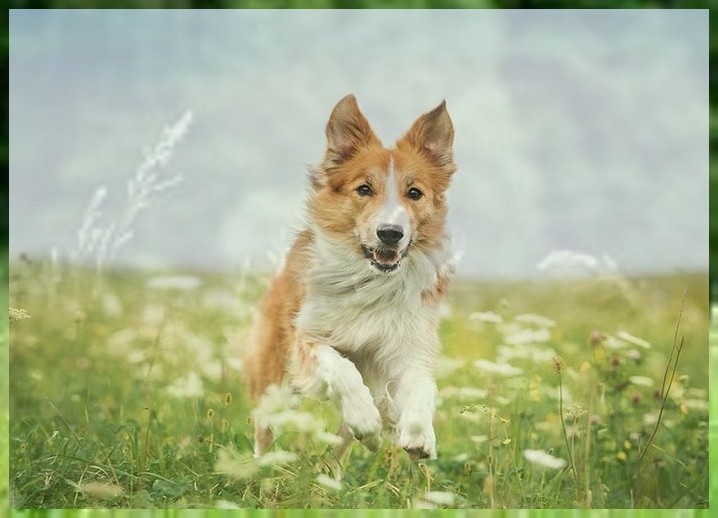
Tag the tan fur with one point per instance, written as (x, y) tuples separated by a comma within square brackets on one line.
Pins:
[(354, 156)]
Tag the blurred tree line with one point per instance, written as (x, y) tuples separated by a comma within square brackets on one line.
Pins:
[(699, 4)]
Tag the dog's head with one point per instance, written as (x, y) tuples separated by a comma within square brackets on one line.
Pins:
[(383, 203)]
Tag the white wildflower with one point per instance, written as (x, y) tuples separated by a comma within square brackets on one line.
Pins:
[(471, 415), (328, 438), (276, 458), (188, 387), (697, 393), (537, 354), (420, 503), (446, 366), (623, 335), (18, 314), (235, 464), (576, 411), (275, 400), (234, 363), (643, 381), (295, 420), (174, 282), (329, 482), (633, 354), (277, 409), (154, 314), (118, 342), (463, 393), (222, 300), (226, 504), (502, 369), (212, 369), (439, 498), (696, 404), (243, 465), (136, 356), (527, 336), (650, 418), (544, 459), (103, 490), (531, 318), (611, 342), (112, 305), (485, 316)]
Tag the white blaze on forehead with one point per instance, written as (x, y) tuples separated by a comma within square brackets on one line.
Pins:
[(392, 211)]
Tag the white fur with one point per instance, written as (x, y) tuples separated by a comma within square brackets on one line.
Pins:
[(378, 340), (393, 211)]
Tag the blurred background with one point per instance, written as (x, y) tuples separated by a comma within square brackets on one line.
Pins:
[(582, 131)]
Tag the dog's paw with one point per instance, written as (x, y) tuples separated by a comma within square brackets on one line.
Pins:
[(364, 421), (418, 441)]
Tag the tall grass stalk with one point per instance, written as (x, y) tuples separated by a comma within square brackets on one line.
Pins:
[(489, 482), (559, 366), (101, 243), (588, 495), (669, 374)]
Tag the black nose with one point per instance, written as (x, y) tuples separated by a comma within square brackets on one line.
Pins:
[(389, 234)]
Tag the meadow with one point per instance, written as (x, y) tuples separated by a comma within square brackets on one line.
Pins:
[(126, 390)]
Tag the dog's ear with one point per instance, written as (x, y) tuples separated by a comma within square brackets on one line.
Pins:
[(347, 131), (432, 135)]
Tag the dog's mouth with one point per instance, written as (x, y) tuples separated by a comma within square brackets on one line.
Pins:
[(384, 259)]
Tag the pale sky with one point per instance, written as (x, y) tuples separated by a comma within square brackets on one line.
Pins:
[(575, 130)]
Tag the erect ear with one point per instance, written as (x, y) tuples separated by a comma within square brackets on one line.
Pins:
[(347, 130), (432, 134)]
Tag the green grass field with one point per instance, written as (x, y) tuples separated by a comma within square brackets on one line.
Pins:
[(127, 391)]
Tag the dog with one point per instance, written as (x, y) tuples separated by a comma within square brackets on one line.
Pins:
[(353, 313)]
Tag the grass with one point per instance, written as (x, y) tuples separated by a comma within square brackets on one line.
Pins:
[(128, 393), (4, 413)]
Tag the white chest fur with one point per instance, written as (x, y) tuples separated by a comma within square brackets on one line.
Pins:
[(358, 310)]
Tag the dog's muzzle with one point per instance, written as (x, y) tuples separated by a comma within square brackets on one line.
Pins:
[(383, 258)]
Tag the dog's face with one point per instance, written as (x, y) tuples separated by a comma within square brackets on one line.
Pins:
[(382, 202)]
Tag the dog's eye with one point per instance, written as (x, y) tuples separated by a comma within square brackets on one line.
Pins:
[(364, 190), (414, 193)]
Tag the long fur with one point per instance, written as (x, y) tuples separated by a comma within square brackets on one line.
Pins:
[(353, 315)]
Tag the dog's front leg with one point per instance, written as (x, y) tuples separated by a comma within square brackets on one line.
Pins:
[(323, 373), (415, 400)]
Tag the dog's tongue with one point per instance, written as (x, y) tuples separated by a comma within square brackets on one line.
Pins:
[(386, 257)]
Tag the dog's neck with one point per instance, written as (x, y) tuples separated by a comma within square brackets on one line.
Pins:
[(338, 271)]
